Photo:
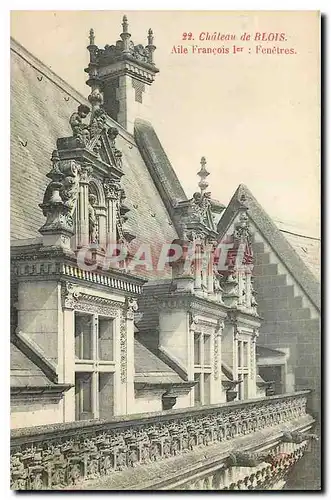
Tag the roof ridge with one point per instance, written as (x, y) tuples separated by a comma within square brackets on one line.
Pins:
[(39, 65)]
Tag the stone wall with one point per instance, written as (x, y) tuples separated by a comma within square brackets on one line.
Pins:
[(290, 321)]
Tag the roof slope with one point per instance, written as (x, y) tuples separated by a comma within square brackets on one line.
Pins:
[(23, 371), (265, 352), (41, 105), (308, 249), (149, 368), (281, 246), (158, 164)]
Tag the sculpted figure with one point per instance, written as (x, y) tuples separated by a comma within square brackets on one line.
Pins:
[(93, 233), (76, 120), (69, 192)]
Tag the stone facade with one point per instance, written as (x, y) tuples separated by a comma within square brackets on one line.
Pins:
[(115, 367)]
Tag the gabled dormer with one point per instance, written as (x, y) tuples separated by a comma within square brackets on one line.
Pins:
[(198, 238), (84, 203)]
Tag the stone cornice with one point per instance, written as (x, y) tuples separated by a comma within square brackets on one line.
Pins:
[(238, 317), (174, 387), (82, 155), (36, 394), (37, 263), (197, 305), (129, 66)]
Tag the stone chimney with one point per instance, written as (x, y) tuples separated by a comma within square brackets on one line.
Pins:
[(123, 73)]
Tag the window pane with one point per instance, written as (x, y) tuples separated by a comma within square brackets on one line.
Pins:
[(106, 339), (239, 352), (240, 387), (245, 354), (245, 386), (197, 360), (83, 336), (206, 344), (206, 389), (197, 389), (83, 389), (106, 395)]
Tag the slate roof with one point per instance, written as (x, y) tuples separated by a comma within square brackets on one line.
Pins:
[(23, 372), (149, 368), (308, 249), (266, 352), (275, 238)]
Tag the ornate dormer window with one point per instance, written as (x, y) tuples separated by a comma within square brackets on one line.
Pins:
[(197, 269), (237, 278), (84, 203)]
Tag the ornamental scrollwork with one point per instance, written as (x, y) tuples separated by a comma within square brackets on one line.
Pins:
[(69, 294), (60, 196), (131, 307)]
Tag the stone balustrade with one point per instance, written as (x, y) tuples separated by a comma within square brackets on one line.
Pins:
[(62, 455), (265, 476)]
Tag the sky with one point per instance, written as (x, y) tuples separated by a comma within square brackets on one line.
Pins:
[(254, 116)]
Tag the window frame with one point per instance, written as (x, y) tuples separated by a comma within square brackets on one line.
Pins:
[(96, 366), (243, 344), (203, 370)]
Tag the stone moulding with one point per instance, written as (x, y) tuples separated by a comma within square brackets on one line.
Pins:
[(92, 449), (26, 267), (83, 302)]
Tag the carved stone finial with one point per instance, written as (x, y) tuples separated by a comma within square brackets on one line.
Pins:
[(203, 173), (125, 35), (92, 37), (150, 38), (125, 24)]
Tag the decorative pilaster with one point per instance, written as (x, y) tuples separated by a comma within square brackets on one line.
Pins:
[(253, 367), (218, 351), (210, 269), (70, 295), (83, 207), (197, 266), (112, 192), (127, 355), (248, 287)]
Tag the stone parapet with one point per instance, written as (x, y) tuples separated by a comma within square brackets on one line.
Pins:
[(64, 455)]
